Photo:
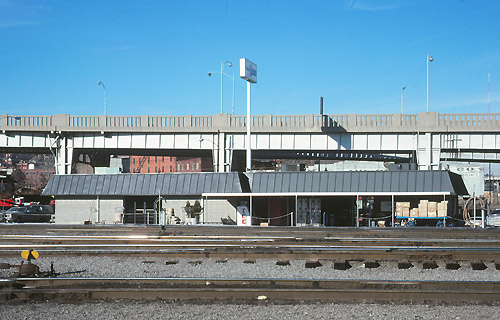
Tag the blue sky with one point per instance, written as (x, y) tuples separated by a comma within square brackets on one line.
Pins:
[(154, 56)]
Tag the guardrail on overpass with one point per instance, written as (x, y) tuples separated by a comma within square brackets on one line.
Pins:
[(425, 121)]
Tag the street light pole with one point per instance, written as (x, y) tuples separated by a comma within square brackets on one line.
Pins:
[(222, 74), (429, 59), (402, 90), (101, 83)]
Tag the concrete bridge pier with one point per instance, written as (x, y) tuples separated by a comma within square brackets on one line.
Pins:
[(428, 151), (64, 156), (222, 153)]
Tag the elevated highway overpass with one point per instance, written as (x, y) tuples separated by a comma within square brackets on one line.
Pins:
[(426, 138)]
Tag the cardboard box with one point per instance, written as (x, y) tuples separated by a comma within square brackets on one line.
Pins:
[(432, 206), (414, 212), (406, 212), (422, 209), (264, 224), (424, 201)]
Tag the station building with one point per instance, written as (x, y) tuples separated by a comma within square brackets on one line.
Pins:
[(345, 198)]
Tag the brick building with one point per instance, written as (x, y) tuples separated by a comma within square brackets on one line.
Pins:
[(152, 164), (196, 164)]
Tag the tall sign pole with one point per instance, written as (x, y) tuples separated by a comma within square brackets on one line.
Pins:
[(248, 71)]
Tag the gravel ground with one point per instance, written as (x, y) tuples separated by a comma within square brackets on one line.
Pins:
[(166, 310), (112, 267)]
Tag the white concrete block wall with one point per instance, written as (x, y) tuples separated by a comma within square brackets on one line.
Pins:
[(109, 210), (213, 209), (77, 211)]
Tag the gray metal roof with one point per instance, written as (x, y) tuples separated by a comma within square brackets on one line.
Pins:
[(138, 184), (357, 181), (188, 184)]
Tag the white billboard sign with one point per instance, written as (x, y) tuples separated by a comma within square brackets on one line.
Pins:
[(248, 70)]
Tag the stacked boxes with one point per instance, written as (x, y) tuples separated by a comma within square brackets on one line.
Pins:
[(423, 208), (432, 209), (403, 209), (442, 209)]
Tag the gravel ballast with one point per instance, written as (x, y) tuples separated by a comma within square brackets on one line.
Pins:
[(167, 310), (120, 267)]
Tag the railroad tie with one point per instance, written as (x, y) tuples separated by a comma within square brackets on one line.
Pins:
[(313, 264), (341, 265), (250, 261), (283, 263), (371, 264), (452, 265), (222, 260), (169, 262), (478, 265), (405, 265), (429, 264), (497, 265)]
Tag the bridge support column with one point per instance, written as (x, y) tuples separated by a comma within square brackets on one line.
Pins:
[(428, 151), (221, 154), (229, 153), (64, 157)]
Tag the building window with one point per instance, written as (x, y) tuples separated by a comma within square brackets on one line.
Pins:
[(162, 169), (182, 167), (156, 159), (133, 160), (197, 165), (170, 168), (178, 167), (187, 166), (148, 159), (148, 170)]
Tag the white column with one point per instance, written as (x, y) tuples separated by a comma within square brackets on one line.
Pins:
[(392, 210), (69, 160), (64, 156), (228, 153), (221, 148)]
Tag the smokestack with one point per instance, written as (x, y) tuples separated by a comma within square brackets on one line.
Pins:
[(321, 105)]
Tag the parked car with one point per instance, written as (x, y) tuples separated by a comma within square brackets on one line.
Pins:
[(493, 219), (31, 213)]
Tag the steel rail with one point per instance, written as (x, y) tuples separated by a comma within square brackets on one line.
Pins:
[(208, 238), (268, 290), (266, 252)]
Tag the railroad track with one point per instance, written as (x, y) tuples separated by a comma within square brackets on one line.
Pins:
[(254, 246), (248, 290)]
